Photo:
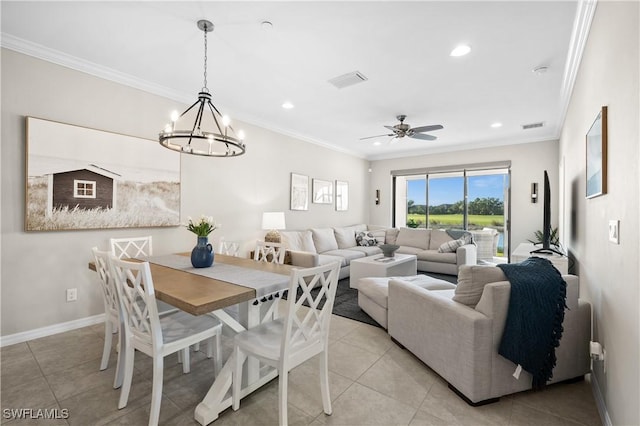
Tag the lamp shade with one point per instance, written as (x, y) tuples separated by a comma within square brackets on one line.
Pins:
[(273, 220)]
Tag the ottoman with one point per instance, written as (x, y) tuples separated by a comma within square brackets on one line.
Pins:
[(373, 293)]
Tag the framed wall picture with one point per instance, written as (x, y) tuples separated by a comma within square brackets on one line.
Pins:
[(81, 178), (299, 192), (342, 196), (322, 191), (596, 162)]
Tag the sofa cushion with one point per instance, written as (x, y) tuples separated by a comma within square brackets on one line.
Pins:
[(365, 239), (298, 240), (377, 288), (450, 246), (323, 259), (391, 235), (345, 237), (349, 255), (438, 238), (369, 251), (413, 238), (409, 250), (324, 239), (435, 256), (360, 227), (471, 282)]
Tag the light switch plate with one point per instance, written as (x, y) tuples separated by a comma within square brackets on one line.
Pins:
[(614, 231)]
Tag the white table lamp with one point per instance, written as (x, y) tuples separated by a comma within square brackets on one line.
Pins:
[(272, 221)]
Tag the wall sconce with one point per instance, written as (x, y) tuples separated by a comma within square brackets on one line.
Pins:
[(377, 196), (534, 192)]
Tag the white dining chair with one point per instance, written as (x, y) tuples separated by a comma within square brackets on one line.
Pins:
[(131, 247), (230, 248), (112, 317), (269, 252), (294, 338), (153, 335)]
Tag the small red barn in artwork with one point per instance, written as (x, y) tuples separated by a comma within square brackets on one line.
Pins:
[(88, 188)]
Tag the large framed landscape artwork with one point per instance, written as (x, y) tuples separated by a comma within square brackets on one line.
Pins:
[(82, 178)]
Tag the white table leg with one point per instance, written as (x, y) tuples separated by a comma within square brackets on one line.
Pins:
[(216, 399)]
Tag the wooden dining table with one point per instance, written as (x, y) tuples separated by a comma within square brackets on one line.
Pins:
[(198, 295)]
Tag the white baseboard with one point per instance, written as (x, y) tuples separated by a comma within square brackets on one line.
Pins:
[(25, 336), (602, 407)]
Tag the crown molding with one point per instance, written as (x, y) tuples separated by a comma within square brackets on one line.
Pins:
[(579, 35), (39, 51)]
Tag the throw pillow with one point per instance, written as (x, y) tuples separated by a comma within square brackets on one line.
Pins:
[(324, 239), (298, 240), (471, 282), (365, 239), (451, 246), (379, 235), (346, 237), (418, 238)]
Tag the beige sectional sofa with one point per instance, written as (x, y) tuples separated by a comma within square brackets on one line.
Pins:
[(427, 245), (318, 246), (457, 332)]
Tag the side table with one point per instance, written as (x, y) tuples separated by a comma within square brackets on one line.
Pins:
[(523, 252)]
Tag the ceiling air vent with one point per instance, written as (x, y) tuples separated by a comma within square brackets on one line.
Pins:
[(349, 79), (532, 125)]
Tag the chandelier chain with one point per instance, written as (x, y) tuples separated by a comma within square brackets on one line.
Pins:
[(205, 57)]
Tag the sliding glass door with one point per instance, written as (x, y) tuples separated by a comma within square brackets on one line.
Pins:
[(471, 198)]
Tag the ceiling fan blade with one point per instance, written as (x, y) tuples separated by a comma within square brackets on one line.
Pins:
[(423, 137), (423, 129), (393, 129), (377, 136)]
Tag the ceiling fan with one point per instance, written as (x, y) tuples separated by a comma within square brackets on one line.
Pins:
[(401, 130)]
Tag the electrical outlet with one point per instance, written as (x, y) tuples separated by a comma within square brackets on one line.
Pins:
[(72, 294)]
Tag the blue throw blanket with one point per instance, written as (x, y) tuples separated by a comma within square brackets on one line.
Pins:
[(534, 319)]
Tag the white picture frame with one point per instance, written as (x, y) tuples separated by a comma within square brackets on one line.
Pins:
[(342, 196), (322, 191), (299, 192)]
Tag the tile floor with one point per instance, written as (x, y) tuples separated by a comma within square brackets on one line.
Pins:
[(373, 382)]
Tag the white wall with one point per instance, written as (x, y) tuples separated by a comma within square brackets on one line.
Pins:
[(609, 75), (528, 162), (37, 267)]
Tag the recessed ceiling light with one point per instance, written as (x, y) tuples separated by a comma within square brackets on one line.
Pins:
[(496, 125), (266, 25), (460, 50), (287, 105), (378, 143)]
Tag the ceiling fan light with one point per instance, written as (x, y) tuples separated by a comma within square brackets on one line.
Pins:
[(460, 50)]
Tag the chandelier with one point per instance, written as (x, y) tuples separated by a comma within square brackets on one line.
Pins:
[(210, 133)]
